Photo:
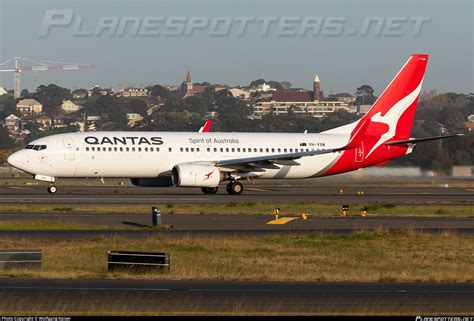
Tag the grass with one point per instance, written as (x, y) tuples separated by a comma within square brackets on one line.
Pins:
[(246, 208), (374, 256)]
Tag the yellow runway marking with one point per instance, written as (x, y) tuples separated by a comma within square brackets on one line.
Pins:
[(282, 220)]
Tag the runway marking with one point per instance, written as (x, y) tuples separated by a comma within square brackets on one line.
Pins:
[(282, 220), (258, 189), (19, 187)]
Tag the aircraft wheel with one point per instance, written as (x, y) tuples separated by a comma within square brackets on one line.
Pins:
[(235, 188), (52, 189), (209, 190)]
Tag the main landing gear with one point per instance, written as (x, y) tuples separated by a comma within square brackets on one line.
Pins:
[(52, 189), (234, 188)]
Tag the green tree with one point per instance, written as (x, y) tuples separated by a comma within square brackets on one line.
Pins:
[(51, 96), (365, 95)]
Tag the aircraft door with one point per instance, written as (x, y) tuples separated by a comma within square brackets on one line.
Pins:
[(68, 148)]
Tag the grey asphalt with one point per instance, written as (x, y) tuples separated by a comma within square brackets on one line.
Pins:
[(252, 193), (148, 296), (140, 225)]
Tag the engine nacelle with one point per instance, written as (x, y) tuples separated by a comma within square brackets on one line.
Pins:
[(195, 175), (160, 181)]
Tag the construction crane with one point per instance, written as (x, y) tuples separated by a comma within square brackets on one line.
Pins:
[(39, 65)]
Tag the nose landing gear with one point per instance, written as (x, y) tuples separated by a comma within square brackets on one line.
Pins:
[(52, 189)]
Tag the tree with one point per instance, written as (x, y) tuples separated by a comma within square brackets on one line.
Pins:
[(365, 95), (138, 106), (158, 90), (51, 96), (5, 140), (257, 82), (285, 84), (7, 107)]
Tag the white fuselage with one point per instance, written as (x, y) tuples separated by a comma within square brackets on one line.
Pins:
[(150, 154)]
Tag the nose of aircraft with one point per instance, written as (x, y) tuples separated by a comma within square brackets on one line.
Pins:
[(14, 159)]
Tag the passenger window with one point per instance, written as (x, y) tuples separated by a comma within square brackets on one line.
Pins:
[(127, 149), (170, 149), (215, 150), (222, 150), (87, 149), (157, 149), (151, 149), (284, 150), (279, 150), (197, 149), (110, 149), (139, 149), (233, 150), (93, 149), (192, 149), (187, 149), (238, 150), (121, 149), (115, 149), (227, 150), (181, 149), (146, 149), (273, 150)]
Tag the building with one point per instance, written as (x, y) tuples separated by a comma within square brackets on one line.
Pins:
[(133, 118), (12, 123), (133, 92), (99, 91), (317, 94), (3, 91), (298, 102), (29, 107), (44, 121), (240, 93), (363, 109), (186, 88), (70, 107), (344, 97)]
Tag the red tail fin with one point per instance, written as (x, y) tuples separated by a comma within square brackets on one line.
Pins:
[(393, 112)]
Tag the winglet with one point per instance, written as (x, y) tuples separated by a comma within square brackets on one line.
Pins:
[(206, 127)]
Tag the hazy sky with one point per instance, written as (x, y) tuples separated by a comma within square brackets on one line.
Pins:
[(343, 61)]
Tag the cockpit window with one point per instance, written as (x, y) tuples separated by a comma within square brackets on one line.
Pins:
[(36, 147)]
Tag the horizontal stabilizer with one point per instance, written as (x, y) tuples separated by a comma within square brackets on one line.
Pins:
[(420, 140)]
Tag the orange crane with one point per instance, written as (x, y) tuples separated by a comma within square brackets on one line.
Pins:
[(39, 65)]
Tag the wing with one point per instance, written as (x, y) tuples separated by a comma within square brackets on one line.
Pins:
[(267, 161)]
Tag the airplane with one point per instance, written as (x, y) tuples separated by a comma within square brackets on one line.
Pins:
[(206, 159)]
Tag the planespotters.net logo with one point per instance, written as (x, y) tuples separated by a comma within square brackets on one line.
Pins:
[(457, 318), (224, 26)]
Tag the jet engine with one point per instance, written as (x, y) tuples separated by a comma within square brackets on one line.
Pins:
[(191, 175)]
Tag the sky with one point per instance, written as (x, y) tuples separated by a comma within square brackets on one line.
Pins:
[(339, 51)]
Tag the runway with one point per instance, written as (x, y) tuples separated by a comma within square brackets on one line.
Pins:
[(252, 193), (181, 297), (138, 226)]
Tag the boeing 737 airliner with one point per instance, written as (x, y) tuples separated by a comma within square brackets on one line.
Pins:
[(204, 159)]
